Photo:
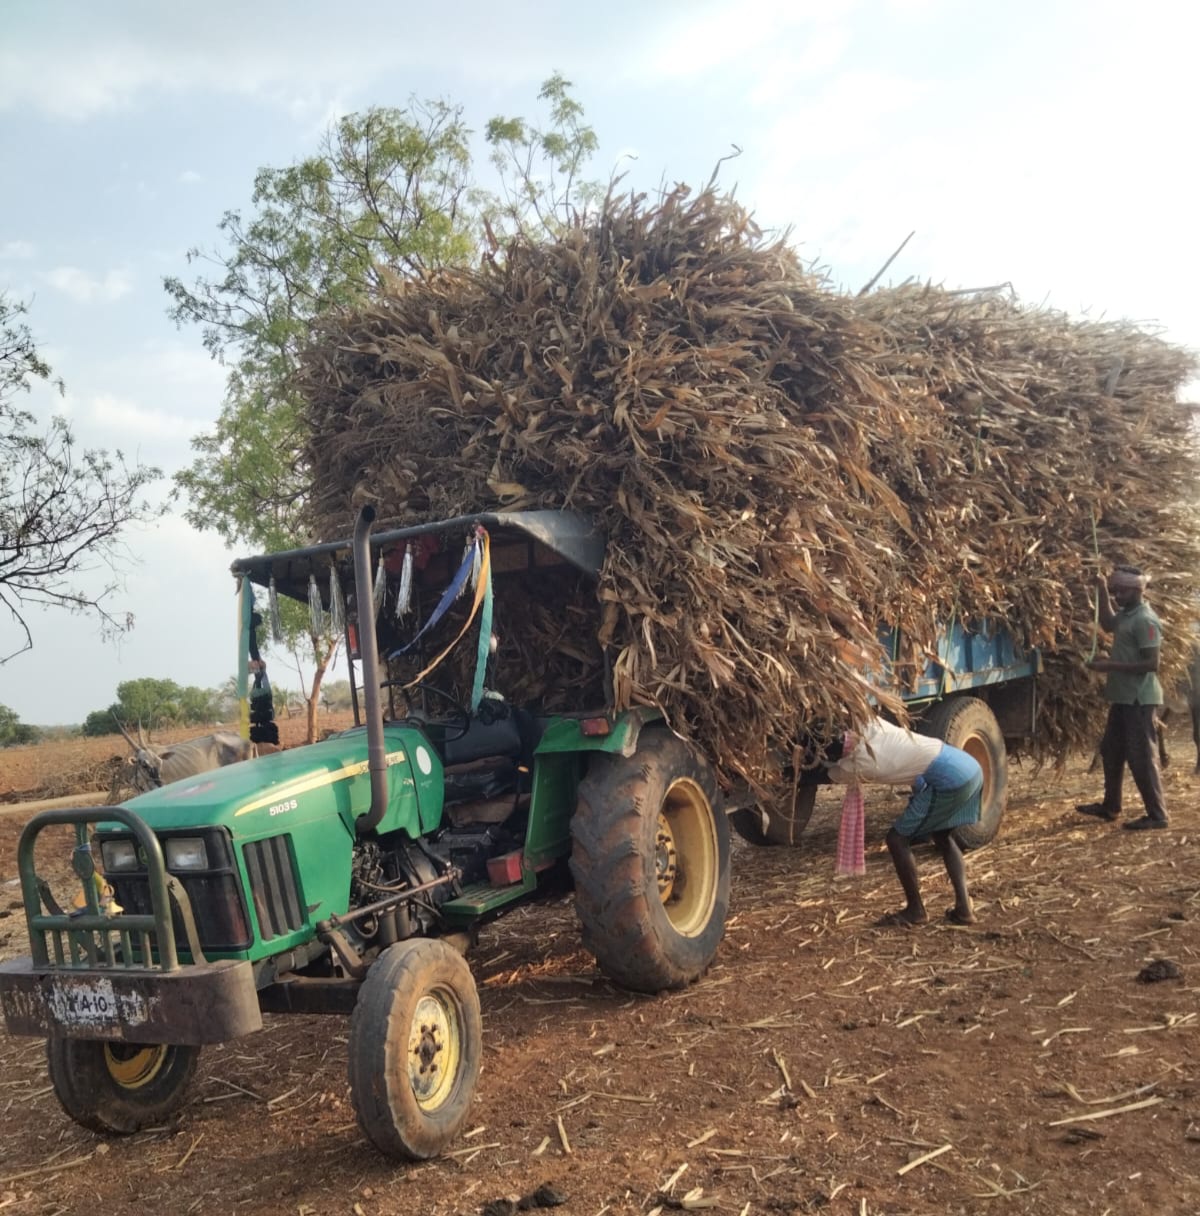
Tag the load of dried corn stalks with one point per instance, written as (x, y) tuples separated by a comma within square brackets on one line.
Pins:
[(780, 467)]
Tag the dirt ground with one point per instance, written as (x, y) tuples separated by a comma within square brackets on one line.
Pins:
[(822, 1064)]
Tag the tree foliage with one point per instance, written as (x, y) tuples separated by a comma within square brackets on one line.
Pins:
[(13, 730), (542, 188), (154, 704), (384, 195), (389, 193), (62, 510)]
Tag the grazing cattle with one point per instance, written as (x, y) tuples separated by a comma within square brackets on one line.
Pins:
[(151, 767)]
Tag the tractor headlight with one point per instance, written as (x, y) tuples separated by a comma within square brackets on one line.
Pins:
[(185, 853), (119, 855)]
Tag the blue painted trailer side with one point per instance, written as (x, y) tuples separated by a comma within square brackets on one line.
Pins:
[(966, 658)]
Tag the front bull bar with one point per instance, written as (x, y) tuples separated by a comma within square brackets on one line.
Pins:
[(99, 975)]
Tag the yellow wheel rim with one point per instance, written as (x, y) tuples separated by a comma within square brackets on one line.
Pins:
[(976, 747), (686, 858), (132, 1065), (434, 1049)]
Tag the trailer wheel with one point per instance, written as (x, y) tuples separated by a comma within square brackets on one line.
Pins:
[(968, 723), (119, 1088), (776, 825), (650, 859), (416, 1040)]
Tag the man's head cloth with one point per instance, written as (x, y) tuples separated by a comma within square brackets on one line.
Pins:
[(1128, 576)]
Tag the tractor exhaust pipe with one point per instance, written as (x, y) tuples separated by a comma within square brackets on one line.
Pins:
[(368, 647)]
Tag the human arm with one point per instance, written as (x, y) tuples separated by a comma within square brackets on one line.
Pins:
[(1106, 616), (1147, 662)]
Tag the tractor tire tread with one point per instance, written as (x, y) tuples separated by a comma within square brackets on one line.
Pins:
[(612, 894)]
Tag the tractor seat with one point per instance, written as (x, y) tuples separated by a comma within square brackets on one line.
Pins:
[(499, 738), (488, 777)]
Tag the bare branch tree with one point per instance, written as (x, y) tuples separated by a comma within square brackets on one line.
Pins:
[(62, 511)]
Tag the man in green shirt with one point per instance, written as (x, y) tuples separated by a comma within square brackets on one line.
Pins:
[(1134, 693)]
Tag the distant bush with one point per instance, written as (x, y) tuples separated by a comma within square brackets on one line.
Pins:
[(14, 731), (155, 704)]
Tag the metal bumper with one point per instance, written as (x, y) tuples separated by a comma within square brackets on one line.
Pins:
[(192, 1005)]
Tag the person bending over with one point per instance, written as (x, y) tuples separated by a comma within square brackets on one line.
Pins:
[(947, 787)]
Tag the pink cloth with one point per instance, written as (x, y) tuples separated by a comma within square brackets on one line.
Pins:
[(852, 848)]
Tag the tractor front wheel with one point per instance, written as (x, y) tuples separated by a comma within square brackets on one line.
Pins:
[(119, 1088), (650, 860), (416, 1041)]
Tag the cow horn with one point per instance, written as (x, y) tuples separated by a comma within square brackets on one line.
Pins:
[(128, 736), (141, 737)]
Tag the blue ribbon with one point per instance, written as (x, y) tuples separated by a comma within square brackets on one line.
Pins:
[(485, 641), (448, 597)]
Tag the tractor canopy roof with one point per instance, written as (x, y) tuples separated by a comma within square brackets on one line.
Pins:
[(520, 541)]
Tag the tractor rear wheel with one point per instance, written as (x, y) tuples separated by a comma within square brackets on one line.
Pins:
[(775, 824), (119, 1088), (650, 860), (968, 723), (416, 1041)]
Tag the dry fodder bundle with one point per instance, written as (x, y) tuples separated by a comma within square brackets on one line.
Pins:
[(1060, 449), (778, 467)]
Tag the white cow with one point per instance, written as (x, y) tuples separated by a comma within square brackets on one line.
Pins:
[(151, 767)]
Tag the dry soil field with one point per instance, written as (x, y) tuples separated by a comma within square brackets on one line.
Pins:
[(822, 1065)]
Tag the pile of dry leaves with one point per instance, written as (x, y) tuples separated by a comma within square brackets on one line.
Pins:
[(779, 467)]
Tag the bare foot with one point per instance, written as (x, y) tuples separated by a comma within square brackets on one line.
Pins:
[(956, 916), (904, 919)]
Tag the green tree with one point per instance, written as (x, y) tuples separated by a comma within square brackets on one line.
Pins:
[(542, 187), (388, 195), (154, 704), (98, 723), (384, 195), (63, 511), (13, 730), (199, 706), (336, 695)]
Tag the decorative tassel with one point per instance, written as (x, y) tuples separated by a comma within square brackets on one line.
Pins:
[(380, 588), (316, 610), (337, 603), (468, 553), (273, 612), (476, 563), (404, 596)]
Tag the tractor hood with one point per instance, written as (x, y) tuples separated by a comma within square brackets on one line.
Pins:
[(287, 790)]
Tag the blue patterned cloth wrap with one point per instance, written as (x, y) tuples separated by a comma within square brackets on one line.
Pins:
[(947, 795)]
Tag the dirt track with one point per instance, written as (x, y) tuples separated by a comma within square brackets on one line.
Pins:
[(815, 1063)]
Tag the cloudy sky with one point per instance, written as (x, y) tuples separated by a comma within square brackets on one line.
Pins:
[(1046, 143)]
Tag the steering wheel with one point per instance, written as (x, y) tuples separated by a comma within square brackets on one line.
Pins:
[(460, 716)]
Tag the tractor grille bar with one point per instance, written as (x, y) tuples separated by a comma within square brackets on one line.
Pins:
[(273, 886)]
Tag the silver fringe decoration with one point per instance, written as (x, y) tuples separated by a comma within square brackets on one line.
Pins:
[(316, 610), (404, 595), (273, 612), (466, 554), (380, 588), (476, 564), (337, 603)]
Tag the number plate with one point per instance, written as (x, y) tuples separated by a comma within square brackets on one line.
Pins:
[(87, 1003)]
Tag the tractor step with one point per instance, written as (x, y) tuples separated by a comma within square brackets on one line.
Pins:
[(482, 897)]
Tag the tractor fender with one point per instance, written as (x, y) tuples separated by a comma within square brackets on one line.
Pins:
[(587, 734)]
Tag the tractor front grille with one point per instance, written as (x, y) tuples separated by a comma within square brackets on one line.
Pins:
[(273, 886), (215, 894)]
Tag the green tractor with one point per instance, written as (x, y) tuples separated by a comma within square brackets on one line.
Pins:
[(350, 876)]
